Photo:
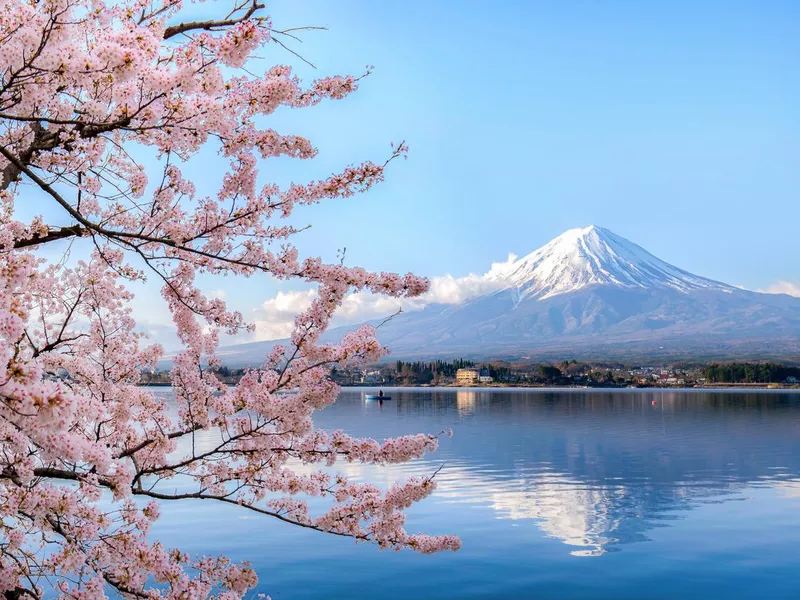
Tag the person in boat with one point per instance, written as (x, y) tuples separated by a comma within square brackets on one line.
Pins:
[(380, 393)]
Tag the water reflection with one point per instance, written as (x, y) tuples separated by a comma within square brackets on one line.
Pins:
[(595, 470), (466, 400), (695, 497), (580, 517)]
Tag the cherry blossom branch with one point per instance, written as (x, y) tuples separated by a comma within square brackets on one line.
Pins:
[(79, 439), (211, 24)]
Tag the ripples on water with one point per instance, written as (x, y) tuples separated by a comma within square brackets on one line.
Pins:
[(556, 494)]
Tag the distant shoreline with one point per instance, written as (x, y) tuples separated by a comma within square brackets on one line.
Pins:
[(500, 386), (489, 386)]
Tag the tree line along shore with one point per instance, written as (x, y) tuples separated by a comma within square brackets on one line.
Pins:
[(568, 373)]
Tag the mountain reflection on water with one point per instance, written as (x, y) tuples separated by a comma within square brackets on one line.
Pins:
[(691, 494), (597, 469)]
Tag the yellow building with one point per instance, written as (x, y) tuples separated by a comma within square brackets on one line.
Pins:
[(467, 376)]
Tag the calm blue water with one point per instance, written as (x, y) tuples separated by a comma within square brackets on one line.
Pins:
[(555, 494)]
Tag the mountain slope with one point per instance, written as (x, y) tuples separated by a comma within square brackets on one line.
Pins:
[(589, 256), (592, 292), (600, 317)]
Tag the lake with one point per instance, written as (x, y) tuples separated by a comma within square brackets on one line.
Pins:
[(555, 494)]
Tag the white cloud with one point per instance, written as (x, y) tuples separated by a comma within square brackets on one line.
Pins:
[(455, 290), (782, 287), (366, 305), (275, 318)]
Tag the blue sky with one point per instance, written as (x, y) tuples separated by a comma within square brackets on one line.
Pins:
[(673, 124)]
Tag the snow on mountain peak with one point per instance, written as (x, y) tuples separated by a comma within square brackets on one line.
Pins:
[(592, 255)]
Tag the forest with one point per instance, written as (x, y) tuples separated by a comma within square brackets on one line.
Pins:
[(743, 372)]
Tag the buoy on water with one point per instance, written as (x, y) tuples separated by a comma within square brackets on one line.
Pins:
[(654, 403)]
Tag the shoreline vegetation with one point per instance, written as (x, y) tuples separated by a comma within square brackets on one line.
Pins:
[(481, 386), (462, 373)]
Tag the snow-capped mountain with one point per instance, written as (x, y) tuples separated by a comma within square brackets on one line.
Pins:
[(584, 257), (593, 294)]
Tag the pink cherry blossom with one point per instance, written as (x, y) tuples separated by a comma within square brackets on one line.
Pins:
[(83, 448)]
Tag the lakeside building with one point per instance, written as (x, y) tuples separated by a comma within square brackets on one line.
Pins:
[(372, 377), (467, 376)]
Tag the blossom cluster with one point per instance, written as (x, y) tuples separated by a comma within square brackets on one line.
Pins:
[(84, 450)]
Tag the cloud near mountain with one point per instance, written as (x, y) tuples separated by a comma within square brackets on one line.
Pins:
[(274, 318), (782, 287)]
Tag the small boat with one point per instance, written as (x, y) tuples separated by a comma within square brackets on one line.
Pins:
[(376, 397)]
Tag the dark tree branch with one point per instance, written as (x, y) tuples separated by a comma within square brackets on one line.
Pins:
[(51, 236), (19, 593), (42, 140), (210, 24)]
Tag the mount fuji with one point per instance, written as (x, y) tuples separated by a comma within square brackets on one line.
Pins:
[(591, 293), (594, 256)]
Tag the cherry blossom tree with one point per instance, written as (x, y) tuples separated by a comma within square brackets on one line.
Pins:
[(84, 450)]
